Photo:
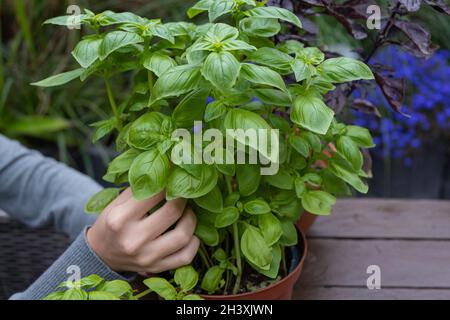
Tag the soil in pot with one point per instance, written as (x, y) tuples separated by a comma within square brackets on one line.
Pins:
[(267, 289)]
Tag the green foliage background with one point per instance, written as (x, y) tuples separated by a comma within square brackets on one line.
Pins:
[(56, 120)]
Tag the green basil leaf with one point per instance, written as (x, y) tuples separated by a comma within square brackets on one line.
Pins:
[(241, 120), (349, 177), (186, 277), (270, 228), (349, 150), (300, 187), (272, 272), (102, 296), (361, 136), (219, 32), (286, 205), (75, 294), (318, 202), (312, 178), (161, 31), (91, 281), (313, 141), (291, 46), (312, 113), (279, 123), (212, 278), (59, 79), (122, 163), (302, 70), (298, 162), (116, 40), (215, 110), (257, 207), (219, 8), (98, 202), (300, 145), (182, 184), (226, 218), (232, 199), (162, 287), (190, 109), (220, 255), (334, 185), (345, 69), (282, 180), (248, 177), (221, 69), (212, 201), (118, 288), (70, 21), (255, 249), (271, 57), (256, 27), (149, 130), (234, 45), (87, 51), (263, 76), (58, 295), (290, 236), (207, 234), (199, 7), (103, 128), (176, 81), (273, 97), (274, 12), (158, 63), (148, 174), (310, 55)]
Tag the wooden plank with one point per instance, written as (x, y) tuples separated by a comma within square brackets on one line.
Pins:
[(404, 264), (342, 293), (383, 218)]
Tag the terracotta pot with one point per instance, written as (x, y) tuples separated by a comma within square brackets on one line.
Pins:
[(306, 221), (281, 290)]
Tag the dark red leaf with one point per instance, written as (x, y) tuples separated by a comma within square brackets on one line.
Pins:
[(393, 90), (417, 40), (439, 5), (365, 106), (356, 30), (336, 99)]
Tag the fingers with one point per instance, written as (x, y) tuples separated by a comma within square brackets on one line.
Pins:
[(180, 258), (123, 197), (163, 218), (131, 209), (175, 239)]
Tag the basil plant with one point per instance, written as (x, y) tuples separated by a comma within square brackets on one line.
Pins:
[(226, 75)]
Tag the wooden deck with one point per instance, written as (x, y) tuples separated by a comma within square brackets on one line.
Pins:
[(408, 239)]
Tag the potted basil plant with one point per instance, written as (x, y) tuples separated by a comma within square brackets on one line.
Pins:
[(227, 76)]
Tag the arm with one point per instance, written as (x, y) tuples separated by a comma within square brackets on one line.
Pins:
[(40, 191)]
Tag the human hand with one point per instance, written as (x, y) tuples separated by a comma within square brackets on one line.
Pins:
[(126, 238)]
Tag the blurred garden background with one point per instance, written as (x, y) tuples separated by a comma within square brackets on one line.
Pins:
[(411, 160)]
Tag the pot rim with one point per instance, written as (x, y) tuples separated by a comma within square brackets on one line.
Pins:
[(283, 280)]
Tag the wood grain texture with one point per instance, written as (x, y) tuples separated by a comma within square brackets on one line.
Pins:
[(409, 264), (408, 239), (386, 218), (342, 293)]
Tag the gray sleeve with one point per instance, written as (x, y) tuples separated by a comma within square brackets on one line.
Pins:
[(40, 191), (78, 255)]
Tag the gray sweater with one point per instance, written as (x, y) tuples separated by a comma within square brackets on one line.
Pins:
[(39, 191)]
